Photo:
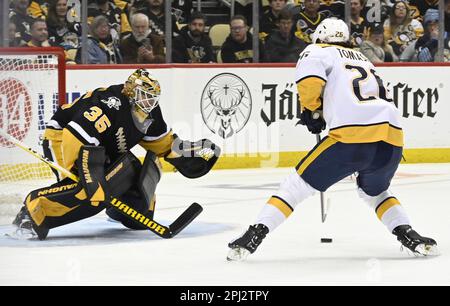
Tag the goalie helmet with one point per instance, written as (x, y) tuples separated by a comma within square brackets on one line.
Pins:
[(143, 90), (331, 30)]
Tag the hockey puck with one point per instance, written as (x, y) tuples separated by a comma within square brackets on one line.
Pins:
[(326, 240)]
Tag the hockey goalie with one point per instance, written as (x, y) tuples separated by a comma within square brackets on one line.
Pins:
[(92, 138)]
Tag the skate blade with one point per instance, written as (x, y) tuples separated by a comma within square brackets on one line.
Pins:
[(238, 254), (422, 250), (427, 250), (21, 234)]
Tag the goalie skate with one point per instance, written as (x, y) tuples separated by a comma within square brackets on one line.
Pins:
[(23, 226), (26, 228)]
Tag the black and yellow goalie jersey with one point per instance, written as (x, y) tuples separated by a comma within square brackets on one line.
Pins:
[(104, 117)]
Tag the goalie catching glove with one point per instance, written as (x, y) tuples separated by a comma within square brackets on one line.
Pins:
[(193, 159)]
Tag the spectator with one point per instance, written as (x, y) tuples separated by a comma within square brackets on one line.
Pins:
[(154, 9), (376, 49), (39, 34), (193, 45), (14, 41), (419, 7), (38, 9), (60, 30), (270, 19), (124, 5), (238, 47), (333, 8), (19, 16), (137, 5), (307, 20), (424, 48), (118, 20), (282, 45), (182, 9), (400, 29), (245, 8), (142, 46), (101, 49), (359, 28), (447, 31)]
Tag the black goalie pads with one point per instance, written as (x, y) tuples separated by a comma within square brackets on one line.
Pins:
[(123, 174), (193, 159), (91, 169), (140, 198), (149, 176)]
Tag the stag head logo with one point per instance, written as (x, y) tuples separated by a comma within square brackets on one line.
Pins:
[(226, 104)]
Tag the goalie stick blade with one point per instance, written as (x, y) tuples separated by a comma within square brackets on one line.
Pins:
[(184, 219)]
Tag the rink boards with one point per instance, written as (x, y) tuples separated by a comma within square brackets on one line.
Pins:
[(251, 111)]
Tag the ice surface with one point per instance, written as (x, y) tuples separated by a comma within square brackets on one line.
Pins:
[(98, 252)]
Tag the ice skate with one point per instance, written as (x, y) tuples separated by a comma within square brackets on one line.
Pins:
[(414, 243), (26, 228), (247, 243), (23, 228)]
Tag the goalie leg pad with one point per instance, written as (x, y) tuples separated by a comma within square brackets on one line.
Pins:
[(193, 159), (91, 169), (123, 174), (149, 177), (59, 204), (47, 149), (134, 200), (67, 202), (142, 197)]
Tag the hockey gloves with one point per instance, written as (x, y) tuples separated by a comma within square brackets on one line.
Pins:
[(313, 121), (193, 159)]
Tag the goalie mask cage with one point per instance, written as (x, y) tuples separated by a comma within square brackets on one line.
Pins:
[(32, 86)]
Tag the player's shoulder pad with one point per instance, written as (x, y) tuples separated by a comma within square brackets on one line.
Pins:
[(313, 51)]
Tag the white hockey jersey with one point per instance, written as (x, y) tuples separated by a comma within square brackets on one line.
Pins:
[(355, 103)]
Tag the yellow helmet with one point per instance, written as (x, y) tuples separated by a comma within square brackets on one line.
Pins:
[(143, 90)]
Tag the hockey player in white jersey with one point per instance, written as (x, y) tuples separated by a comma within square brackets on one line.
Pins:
[(365, 136)]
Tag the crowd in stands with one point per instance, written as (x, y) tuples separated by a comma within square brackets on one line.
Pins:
[(133, 31)]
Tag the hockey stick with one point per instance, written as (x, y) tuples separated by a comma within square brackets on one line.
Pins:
[(322, 194), (140, 218), (324, 209)]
